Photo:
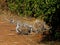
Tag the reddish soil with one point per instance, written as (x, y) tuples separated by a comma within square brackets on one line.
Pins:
[(8, 36)]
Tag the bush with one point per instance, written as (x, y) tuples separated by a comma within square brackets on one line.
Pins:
[(34, 8)]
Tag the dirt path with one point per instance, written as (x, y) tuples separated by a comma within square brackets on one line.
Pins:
[(8, 36)]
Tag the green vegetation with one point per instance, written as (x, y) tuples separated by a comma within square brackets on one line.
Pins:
[(34, 8)]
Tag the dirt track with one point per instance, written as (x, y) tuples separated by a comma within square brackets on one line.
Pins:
[(8, 36)]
